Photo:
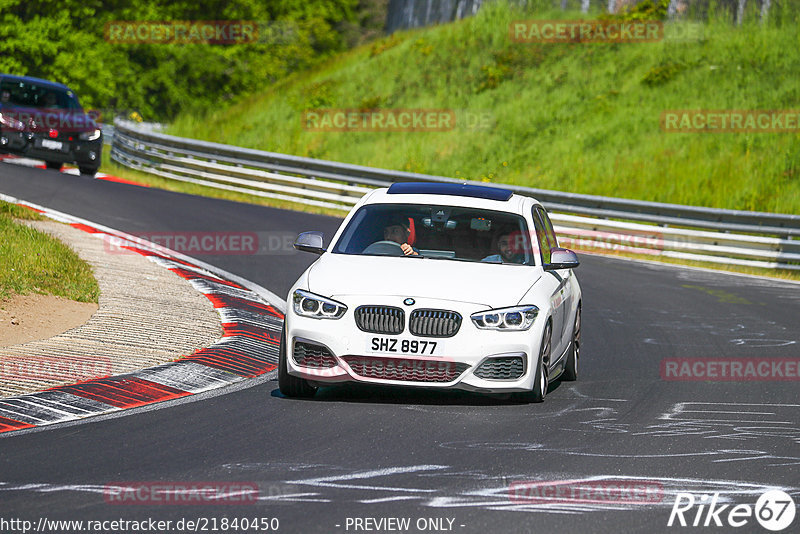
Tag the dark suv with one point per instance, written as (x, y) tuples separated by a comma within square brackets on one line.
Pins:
[(44, 120)]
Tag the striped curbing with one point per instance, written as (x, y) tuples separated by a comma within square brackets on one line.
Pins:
[(146, 316), (251, 322)]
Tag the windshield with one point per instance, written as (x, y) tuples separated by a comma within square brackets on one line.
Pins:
[(31, 95), (437, 232)]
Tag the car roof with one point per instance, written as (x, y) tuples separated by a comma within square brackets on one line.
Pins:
[(454, 194), (31, 79), (451, 189)]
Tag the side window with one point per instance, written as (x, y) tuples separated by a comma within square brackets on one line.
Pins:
[(548, 228), (541, 236), (545, 233)]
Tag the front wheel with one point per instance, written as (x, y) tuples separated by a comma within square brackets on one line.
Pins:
[(541, 381), (540, 378), (571, 368), (55, 165), (90, 171), (291, 386)]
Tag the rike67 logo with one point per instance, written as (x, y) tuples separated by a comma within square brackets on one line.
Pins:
[(774, 510)]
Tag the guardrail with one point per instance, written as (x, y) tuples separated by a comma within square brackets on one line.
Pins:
[(769, 240)]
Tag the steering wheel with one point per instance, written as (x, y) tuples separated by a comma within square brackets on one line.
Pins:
[(384, 248)]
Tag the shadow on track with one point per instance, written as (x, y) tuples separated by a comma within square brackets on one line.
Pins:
[(361, 393)]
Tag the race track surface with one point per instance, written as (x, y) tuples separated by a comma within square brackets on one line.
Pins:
[(364, 452)]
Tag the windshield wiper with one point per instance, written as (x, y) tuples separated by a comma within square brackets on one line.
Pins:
[(389, 255), (449, 259)]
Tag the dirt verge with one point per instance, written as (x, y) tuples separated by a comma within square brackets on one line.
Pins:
[(25, 318)]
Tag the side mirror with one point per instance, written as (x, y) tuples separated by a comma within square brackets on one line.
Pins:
[(309, 242), (562, 258)]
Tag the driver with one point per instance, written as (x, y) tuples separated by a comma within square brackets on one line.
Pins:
[(399, 231), (50, 100)]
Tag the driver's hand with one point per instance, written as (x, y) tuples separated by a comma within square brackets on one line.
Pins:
[(407, 250)]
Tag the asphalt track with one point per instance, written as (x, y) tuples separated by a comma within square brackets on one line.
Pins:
[(360, 452)]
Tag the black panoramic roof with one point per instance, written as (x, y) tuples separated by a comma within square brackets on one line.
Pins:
[(458, 190), (31, 79)]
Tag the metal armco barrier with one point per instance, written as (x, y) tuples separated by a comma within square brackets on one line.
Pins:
[(584, 222)]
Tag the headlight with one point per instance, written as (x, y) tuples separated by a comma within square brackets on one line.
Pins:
[(11, 122), (89, 136), (514, 318), (311, 305)]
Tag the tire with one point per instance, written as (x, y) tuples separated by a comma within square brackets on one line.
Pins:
[(291, 386), (55, 165), (90, 171), (571, 368), (541, 381)]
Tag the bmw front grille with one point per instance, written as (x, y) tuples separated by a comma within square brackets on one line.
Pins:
[(434, 323), (380, 319)]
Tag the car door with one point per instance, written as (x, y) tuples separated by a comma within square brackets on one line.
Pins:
[(559, 298)]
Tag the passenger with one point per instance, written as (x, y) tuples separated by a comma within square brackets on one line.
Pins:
[(508, 248)]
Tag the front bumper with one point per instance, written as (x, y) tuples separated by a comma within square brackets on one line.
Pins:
[(29, 145), (349, 353)]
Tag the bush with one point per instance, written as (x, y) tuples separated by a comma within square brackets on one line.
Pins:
[(161, 80)]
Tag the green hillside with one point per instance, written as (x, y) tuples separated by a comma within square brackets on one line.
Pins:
[(580, 117)]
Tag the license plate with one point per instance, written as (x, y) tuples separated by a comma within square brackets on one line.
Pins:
[(52, 145), (393, 345)]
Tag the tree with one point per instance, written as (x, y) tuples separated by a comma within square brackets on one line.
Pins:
[(765, 4), (740, 12)]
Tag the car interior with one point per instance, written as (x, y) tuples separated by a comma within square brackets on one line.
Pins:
[(465, 234)]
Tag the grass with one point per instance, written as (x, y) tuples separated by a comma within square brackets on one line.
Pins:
[(15, 211), (582, 118), (34, 262)]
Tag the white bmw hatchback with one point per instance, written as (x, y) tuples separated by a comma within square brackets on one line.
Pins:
[(435, 285)]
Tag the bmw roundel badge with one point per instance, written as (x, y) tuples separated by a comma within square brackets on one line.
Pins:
[(409, 301)]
